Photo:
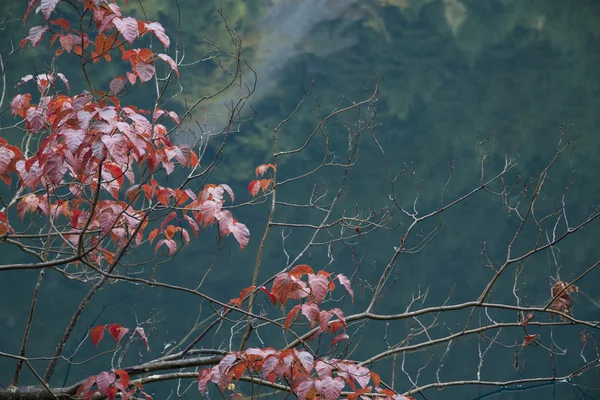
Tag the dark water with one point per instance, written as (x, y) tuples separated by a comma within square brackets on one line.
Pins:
[(450, 73)]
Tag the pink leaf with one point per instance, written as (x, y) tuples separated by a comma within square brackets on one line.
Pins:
[(204, 377), (323, 368), (53, 167), (64, 79), (73, 138), (35, 35), (171, 244), (241, 234), (47, 7), (324, 317), (169, 61), (128, 27), (19, 102), (117, 84), (311, 312), (341, 336), (145, 71), (140, 331), (306, 359), (304, 388), (6, 155), (318, 286), (346, 283), (330, 387), (159, 31), (104, 380)]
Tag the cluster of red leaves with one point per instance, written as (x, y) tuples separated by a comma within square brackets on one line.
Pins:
[(117, 332), (85, 142), (307, 377), (561, 297), (261, 184), (115, 384), (111, 26)]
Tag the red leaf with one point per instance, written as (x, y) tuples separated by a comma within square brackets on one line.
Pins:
[(96, 334), (281, 287), (528, 339), (271, 297), (528, 318), (117, 332), (140, 331), (291, 315), (163, 196), (63, 23), (254, 187), (123, 381)]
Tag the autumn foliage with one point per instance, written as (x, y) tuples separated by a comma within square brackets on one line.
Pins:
[(98, 171)]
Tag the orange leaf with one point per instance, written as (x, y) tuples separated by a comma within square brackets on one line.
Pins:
[(96, 334), (300, 270)]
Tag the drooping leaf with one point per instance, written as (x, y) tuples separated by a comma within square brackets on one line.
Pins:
[(528, 339), (291, 315), (338, 338), (346, 283), (271, 296), (169, 61), (241, 234), (159, 31), (140, 331)]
